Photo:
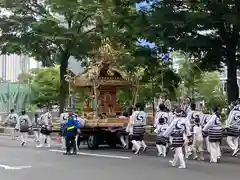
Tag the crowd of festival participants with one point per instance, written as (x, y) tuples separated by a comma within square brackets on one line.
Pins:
[(184, 130), (41, 126)]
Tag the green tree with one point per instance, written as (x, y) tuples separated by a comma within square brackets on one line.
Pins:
[(189, 73), (208, 87), (52, 31), (45, 86), (156, 77), (208, 30)]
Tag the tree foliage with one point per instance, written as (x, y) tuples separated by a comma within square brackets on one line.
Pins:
[(203, 86), (189, 73), (208, 30), (209, 90), (52, 31), (45, 85), (153, 75)]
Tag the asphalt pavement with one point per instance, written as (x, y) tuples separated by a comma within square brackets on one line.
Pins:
[(25, 163)]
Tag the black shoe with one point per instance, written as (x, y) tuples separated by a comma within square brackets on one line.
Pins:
[(74, 153), (67, 153), (23, 143)]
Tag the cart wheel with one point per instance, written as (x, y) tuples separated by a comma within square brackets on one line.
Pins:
[(92, 142)]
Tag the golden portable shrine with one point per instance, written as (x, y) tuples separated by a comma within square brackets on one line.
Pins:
[(101, 111), (102, 107)]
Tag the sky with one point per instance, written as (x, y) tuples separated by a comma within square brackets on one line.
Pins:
[(141, 6)]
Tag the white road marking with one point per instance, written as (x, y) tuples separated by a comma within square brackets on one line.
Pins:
[(96, 155), (14, 167)]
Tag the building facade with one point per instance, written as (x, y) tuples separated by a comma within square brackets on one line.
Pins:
[(12, 65)]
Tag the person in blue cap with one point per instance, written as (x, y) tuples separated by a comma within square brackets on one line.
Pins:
[(72, 128)]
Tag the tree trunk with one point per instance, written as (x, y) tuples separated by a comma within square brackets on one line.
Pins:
[(232, 86), (63, 83)]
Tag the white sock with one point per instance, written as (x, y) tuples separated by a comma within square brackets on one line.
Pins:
[(136, 145), (159, 149), (164, 150), (143, 144)]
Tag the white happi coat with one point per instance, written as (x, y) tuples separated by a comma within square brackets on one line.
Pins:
[(212, 123), (171, 117), (139, 118), (204, 119), (186, 108), (177, 121), (214, 129), (23, 121), (47, 120), (191, 116), (12, 119), (63, 118), (160, 114), (160, 129), (233, 119)]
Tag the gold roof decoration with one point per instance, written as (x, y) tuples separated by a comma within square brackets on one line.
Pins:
[(104, 69)]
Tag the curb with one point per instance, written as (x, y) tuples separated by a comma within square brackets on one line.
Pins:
[(148, 143)]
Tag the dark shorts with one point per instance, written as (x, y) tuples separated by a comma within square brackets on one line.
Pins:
[(136, 137), (45, 131), (12, 125), (160, 140), (233, 132), (24, 129)]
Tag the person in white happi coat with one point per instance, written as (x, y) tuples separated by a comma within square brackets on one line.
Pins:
[(192, 116), (12, 122), (46, 129), (166, 102), (36, 127), (63, 121), (197, 141), (233, 129), (161, 113), (161, 142), (186, 106), (179, 131), (37, 122), (81, 121), (122, 131), (136, 124), (24, 124), (204, 120), (171, 116), (214, 129)]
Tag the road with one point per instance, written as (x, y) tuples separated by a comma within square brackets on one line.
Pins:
[(22, 163)]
